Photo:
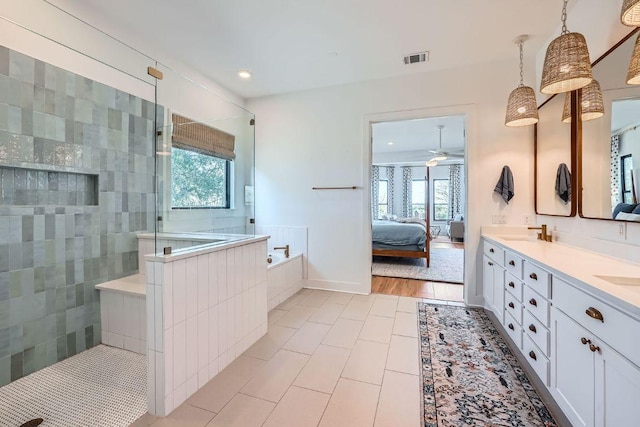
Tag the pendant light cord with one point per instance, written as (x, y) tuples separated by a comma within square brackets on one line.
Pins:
[(520, 44), (564, 17)]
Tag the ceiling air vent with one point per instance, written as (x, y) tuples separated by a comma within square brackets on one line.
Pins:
[(414, 58)]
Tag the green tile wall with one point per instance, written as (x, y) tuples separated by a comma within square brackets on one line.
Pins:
[(76, 184)]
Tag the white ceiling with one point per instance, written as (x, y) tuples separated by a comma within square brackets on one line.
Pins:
[(412, 139), (293, 45)]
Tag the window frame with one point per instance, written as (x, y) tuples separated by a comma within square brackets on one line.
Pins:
[(434, 204), (623, 172), (227, 183), (378, 204), (423, 203)]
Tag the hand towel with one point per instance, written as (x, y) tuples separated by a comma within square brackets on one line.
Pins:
[(504, 187), (563, 183)]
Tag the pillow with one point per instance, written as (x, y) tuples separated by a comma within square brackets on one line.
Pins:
[(628, 217), (623, 207)]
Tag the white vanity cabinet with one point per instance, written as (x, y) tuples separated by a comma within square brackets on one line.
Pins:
[(593, 380), (493, 279)]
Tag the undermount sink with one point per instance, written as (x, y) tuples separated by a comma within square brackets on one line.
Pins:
[(622, 281), (518, 238)]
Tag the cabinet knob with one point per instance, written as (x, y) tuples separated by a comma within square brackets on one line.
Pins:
[(512, 285), (532, 328), (512, 263), (594, 348), (511, 326), (491, 250), (533, 302), (595, 313), (490, 263), (534, 276), (533, 355), (585, 341), (511, 305)]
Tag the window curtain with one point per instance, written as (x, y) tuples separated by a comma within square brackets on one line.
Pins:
[(455, 190), (407, 183), (390, 192), (375, 190), (616, 196)]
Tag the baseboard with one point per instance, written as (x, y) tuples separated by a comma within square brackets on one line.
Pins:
[(327, 285)]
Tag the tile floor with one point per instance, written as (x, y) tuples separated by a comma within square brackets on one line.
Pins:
[(328, 359)]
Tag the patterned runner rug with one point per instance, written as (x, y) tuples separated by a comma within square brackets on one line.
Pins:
[(469, 375)]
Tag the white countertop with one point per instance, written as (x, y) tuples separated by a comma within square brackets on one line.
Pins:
[(577, 264), (135, 285), (205, 248)]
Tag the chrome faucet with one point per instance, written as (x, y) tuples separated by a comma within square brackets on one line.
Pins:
[(286, 250), (543, 233)]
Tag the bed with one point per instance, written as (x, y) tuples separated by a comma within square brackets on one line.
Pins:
[(401, 238)]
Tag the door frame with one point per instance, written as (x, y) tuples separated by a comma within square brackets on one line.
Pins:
[(467, 110)]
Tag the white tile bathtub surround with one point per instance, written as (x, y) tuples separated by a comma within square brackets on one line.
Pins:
[(123, 321), (207, 310), (283, 280), (295, 237)]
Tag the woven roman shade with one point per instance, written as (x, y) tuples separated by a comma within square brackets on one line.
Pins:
[(194, 136)]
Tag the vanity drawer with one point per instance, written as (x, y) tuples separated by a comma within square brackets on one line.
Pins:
[(495, 252), (536, 332), (513, 329), (513, 307), (537, 306), (619, 330), (536, 359), (537, 279), (513, 285), (513, 264)]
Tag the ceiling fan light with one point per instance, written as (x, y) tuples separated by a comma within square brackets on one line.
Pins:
[(591, 103), (630, 13), (522, 109), (567, 65), (432, 162), (439, 158), (633, 75)]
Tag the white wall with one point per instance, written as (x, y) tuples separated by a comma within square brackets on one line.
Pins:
[(320, 138)]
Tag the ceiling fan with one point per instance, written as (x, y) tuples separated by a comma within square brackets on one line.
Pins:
[(441, 155)]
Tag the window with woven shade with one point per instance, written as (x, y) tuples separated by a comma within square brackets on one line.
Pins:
[(200, 165)]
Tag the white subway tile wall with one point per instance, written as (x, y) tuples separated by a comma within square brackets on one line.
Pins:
[(124, 321), (295, 237), (284, 280), (205, 311)]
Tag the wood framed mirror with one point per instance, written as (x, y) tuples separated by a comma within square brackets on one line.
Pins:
[(555, 158), (609, 147)]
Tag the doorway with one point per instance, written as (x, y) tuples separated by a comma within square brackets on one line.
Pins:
[(418, 183)]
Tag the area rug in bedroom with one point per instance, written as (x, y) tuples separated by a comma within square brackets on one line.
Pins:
[(469, 375), (447, 265)]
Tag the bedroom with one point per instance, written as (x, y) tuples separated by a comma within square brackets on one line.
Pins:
[(418, 184)]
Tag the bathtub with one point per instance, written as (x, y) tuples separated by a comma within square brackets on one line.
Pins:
[(284, 277)]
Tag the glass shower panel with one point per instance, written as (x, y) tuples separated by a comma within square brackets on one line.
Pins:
[(77, 164), (204, 165)]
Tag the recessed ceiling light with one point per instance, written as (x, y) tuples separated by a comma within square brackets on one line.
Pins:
[(390, 143), (244, 74)]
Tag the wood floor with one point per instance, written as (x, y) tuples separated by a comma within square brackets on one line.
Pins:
[(421, 288), (416, 288)]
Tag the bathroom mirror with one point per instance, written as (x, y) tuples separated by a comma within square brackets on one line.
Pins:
[(554, 157), (610, 145)]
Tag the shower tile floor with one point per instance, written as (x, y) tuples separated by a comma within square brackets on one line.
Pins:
[(102, 386)]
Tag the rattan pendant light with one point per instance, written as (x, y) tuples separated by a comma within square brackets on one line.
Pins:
[(591, 103), (567, 65), (522, 109), (630, 14), (633, 75)]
